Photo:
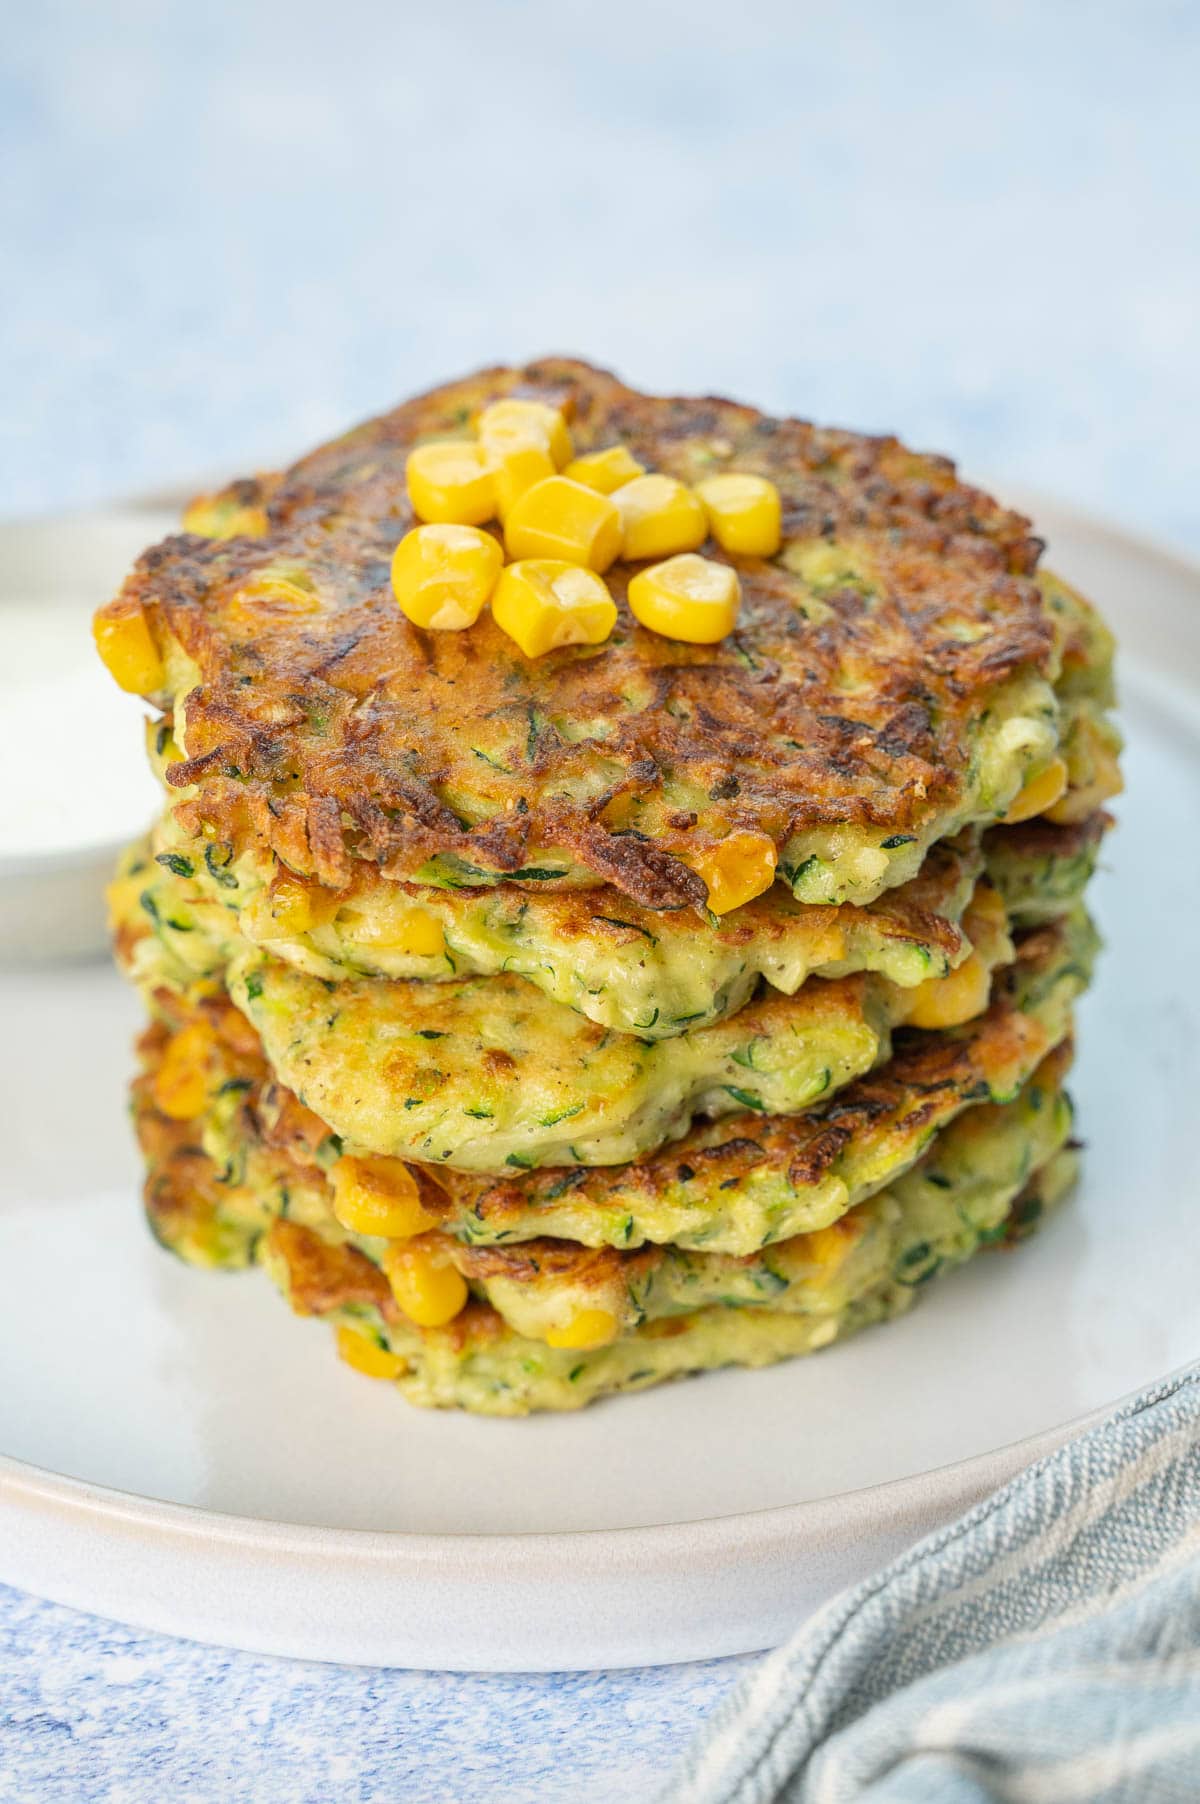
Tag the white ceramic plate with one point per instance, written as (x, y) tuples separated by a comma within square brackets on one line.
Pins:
[(184, 1454)]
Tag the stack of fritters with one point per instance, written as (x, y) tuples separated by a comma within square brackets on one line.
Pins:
[(444, 1031)]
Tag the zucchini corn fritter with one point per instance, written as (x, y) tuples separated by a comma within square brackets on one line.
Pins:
[(617, 908)]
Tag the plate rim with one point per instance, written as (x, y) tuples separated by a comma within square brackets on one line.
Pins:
[(540, 1601)]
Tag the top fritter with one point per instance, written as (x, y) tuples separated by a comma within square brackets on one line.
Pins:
[(889, 677)]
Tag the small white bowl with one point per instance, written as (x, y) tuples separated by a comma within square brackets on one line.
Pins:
[(76, 786)]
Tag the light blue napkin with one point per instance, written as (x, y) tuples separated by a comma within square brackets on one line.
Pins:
[(1043, 1650)]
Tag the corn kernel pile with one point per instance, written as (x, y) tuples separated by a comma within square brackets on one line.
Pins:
[(565, 520)]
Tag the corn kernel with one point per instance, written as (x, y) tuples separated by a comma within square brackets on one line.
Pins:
[(395, 926), (420, 935), (220, 517), (181, 1081), (378, 1196), (949, 1001), (586, 1330), (564, 520), (744, 513), (689, 597), (298, 907), (828, 1246), (659, 516), (1039, 794), (829, 945), (740, 868), (517, 460), (606, 470), (544, 604), (290, 907), (426, 1285), (449, 482), (442, 575), (535, 419), (127, 647), (366, 1355)]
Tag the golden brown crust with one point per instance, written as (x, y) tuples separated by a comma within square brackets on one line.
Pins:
[(181, 1195), (286, 1125), (324, 1274), (344, 731), (587, 1268)]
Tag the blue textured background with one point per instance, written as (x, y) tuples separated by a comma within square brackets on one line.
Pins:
[(227, 230)]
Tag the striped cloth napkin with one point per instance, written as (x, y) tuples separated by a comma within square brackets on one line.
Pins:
[(1043, 1650)]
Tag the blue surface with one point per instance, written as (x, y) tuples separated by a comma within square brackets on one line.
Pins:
[(227, 230), (91, 1713)]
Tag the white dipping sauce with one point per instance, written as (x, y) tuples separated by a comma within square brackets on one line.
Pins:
[(73, 767), (73, 772)]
